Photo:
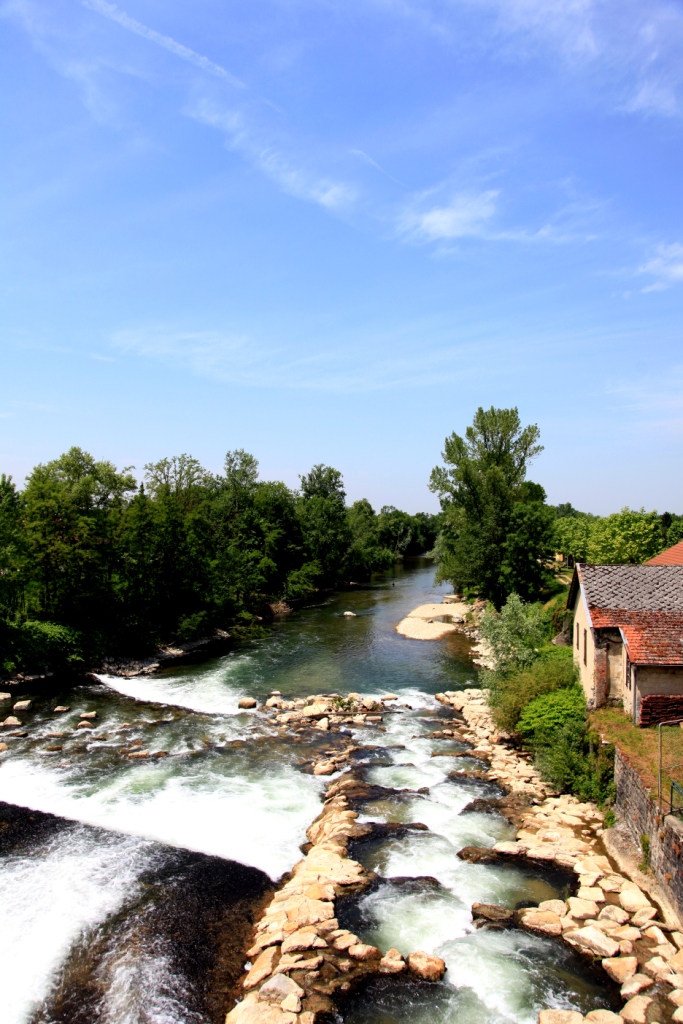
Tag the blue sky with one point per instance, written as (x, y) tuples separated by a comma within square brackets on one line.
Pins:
[(327, 230)]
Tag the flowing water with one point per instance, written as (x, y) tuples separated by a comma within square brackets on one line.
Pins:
[(98, 902)]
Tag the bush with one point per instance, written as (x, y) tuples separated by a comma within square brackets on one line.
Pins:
[(516, 634), (191, 627), (41, 644), (547, 713), (510, 691), (574, 760)]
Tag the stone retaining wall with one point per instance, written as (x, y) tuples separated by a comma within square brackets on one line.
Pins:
[(637, 809)]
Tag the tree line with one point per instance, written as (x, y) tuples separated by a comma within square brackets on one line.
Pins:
[(93, 562)]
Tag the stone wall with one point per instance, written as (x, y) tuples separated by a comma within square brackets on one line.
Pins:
[(637, 810)]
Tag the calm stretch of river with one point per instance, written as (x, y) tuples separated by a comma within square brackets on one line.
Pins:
[(101, 912)]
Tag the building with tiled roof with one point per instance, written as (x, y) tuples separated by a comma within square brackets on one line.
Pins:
[(672, 556), (628, 637)]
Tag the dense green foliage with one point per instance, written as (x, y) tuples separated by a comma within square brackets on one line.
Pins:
[(497, 529), (533, 693), (626, 537), (91, 562), (543, 715), (515, 634), (575, 760), (510, 690)]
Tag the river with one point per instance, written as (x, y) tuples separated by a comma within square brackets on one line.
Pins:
[(114, 910)]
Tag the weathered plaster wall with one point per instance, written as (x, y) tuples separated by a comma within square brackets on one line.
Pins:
[(584, 649), (637, 810)]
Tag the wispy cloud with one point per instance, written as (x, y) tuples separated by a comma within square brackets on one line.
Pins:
[(634, 50), (245, 137), (114, 13), (464, 215), (378, 362), (666, 266)]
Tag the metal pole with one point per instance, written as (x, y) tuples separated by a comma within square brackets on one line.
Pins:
[(670, 721), (659, 769)]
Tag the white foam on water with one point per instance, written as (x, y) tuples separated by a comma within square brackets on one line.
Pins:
[(491, 976), (211, 691), (259, 821), (140, 983), (49, 899)]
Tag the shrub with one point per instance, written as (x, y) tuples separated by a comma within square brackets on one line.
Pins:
[(574, 760), (511, 691), (547, 713), (191, 627), (516, 634), (46, 643)]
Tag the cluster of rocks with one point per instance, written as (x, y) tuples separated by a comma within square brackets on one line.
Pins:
[(86, 726), (611, 919), (301, 958), (511, 768), (163, 657), (323, 711)]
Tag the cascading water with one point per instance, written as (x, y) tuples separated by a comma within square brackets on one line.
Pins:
[(231, 787)]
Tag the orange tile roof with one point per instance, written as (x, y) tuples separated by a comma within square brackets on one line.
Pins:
[(652, 638), (672, 556)]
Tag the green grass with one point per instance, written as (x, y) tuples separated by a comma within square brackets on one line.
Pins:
[(640, 746)]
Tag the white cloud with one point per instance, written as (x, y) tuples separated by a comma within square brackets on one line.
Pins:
[(244, 137), (112, 12), (666, 266), (465, 215)]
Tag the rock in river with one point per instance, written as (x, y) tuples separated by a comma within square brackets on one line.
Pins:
[(431, 968), (246, 703)]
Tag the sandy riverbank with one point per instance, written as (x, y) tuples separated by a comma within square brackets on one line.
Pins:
[(424, 622)]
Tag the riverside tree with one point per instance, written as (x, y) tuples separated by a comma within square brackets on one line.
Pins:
[(496, 528), (94, 563)]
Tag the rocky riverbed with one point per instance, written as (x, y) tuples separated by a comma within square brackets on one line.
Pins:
[(611, 919)]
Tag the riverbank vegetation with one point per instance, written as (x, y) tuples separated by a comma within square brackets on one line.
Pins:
[(534, 695), (93, 561)]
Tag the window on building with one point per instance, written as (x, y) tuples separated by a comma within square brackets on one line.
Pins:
[(585, 647)]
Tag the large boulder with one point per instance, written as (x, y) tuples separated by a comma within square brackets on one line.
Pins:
[(558, 907), (362, 951), (301, 940), (392, 962), (581, 910), (560, 1017), (431, 968), (491, 912), (635, 1011), (620, 968), (248, 1012), (612, 913), (632, 898), (263, 967), (603, 1017), (246, 703), (643, 916), (278, 988), (635, 985), (543, 921), (592, 940)]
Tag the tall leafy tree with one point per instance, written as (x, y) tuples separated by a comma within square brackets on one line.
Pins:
[(71, 508), (496, 528), (324, 526)]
